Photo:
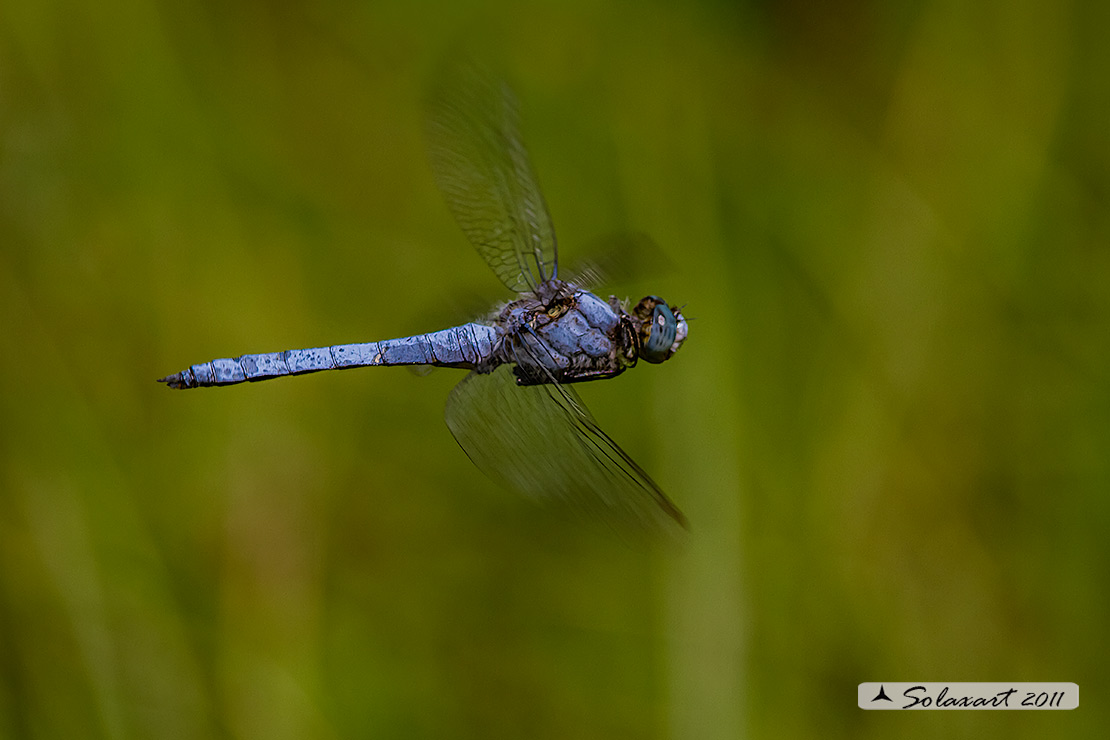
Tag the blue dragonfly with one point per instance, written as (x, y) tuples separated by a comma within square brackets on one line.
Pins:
[(516, 413)]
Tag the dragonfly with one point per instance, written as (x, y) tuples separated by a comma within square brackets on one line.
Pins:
[(516, 414)]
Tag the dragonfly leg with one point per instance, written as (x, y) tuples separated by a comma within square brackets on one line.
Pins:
[(524, 377)]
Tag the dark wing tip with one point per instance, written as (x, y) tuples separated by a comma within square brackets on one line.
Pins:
[(678, 516)]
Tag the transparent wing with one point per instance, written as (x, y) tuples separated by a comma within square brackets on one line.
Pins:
[(618, 258), (542, 442), (483, 170)]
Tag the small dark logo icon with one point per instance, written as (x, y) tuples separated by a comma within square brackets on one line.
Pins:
[(882, 694)]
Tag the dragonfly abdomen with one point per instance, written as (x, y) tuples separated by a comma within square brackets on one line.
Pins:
[(467, 346)]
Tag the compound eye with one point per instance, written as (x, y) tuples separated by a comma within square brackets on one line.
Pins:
[(658, 335)]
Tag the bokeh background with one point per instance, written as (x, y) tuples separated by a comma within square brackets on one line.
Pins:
[(889, 427)]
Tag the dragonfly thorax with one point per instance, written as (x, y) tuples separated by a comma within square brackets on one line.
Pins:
[(572, 337)]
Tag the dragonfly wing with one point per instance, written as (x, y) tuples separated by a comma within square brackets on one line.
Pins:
[(542, 442), (484, 172), (618, 258)]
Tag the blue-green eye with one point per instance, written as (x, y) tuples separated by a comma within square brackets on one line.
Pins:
[(662, 329), (659, 334)]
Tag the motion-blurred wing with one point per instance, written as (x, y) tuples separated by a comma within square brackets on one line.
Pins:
[(483, 170), (618, 258), (542, 442)]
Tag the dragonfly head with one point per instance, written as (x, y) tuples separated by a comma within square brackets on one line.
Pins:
[(662, 328)]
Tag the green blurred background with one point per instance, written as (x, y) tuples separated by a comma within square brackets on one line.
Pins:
[(889, 426)]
